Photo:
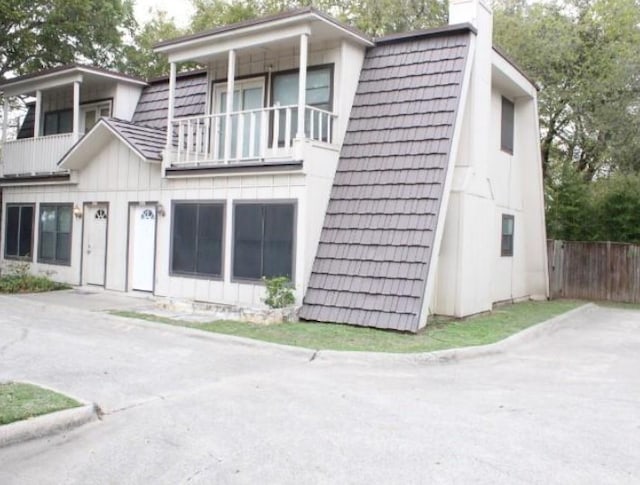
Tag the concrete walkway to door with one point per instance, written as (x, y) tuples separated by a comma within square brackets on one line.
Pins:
[(180, 408)]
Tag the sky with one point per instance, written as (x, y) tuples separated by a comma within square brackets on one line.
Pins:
[(180, 10)]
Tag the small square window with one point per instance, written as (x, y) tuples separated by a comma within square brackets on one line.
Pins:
[(506, 247), (507, 126)]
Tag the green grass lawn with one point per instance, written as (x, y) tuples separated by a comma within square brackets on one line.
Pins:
[(439, 334), (22, 401)]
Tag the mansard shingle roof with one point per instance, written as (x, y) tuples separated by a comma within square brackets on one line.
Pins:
[(375, 250)]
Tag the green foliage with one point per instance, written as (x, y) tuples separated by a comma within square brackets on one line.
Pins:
[(16, 278), (606, 209), (139, 59), (38, 34), (584, 56), (279, 292)]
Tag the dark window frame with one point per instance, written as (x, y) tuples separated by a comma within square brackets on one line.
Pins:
[(317, 67), (57, 113), (55, 261), (294, 240), (63, 110), (507, 239), (196, 275), (6, 232), (507, 115)]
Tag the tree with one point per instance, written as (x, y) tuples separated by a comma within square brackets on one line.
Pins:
[(140, 59), (38, 34), (583, 54)]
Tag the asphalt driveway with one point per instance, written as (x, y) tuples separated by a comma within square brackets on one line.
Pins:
[(182, 408)]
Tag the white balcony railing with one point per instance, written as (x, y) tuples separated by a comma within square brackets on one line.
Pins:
[(256, 135), (40, 155)]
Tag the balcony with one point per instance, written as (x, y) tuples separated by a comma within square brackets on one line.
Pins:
[(257, 136), (33, 156)]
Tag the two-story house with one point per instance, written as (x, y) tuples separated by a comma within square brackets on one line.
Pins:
[(388, 178)]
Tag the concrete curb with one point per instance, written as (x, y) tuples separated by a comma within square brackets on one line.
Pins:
[(345, 356), (458, 354), (47, 424)]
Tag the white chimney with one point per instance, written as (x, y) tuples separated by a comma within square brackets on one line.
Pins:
[(478, 14)]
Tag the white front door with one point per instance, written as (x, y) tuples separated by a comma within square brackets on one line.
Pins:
[(142, 232), (95, 244)]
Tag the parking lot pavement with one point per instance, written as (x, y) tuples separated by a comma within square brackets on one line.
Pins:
[(180, 408)]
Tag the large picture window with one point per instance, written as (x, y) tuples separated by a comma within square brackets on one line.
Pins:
[(318, 95), (54, 245), (263, 240), (197, 239), (18, 239)]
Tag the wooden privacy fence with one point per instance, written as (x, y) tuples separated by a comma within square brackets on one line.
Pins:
[(594, 270)]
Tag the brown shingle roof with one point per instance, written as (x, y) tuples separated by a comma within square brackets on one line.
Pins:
[(376, 244)]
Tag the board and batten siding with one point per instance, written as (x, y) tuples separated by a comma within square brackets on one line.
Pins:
[(117, 176)]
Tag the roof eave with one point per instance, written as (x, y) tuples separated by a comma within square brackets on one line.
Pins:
[(241, 29), (24, 82)]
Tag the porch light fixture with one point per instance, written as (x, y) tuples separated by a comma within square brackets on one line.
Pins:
[(160, 210), (77, 212)]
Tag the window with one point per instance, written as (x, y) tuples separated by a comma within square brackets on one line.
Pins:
[(55, 234), (263, 240), (92, 113), (506, 126), (56, 122), (318, 94), (506, 248), (18, 239), (197, 239)]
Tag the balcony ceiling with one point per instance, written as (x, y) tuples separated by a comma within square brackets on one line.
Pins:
[(260, 35)]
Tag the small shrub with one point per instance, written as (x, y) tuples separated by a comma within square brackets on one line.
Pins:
[(17, 279), (279, 292)]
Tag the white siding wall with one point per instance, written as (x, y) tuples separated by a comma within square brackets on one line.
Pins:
[(472, 274)]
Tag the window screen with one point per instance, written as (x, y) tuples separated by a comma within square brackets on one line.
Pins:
[(55, 234), (506, 248), (263, 240), (197, 239), (507, 126), (19, 231)]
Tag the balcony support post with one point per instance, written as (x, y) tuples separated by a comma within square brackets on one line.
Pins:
[(170, 110), (76, 111), (38, 119), (5, 121), (231, 70), (302, 83)]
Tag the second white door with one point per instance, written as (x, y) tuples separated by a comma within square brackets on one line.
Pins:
[(143, 247)]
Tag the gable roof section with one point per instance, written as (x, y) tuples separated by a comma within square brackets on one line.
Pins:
[(144, 141), (376, 244), (190, 100)]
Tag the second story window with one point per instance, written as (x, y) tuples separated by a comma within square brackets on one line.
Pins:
[(57, 122), (318, 95), (507, 126)]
